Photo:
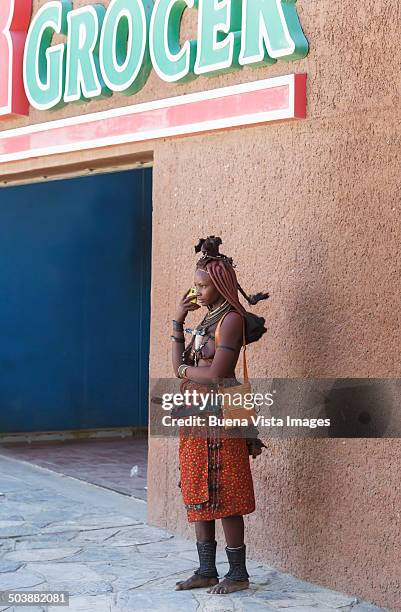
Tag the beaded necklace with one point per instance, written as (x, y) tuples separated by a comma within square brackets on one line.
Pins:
[(214, 315), (197, 343)]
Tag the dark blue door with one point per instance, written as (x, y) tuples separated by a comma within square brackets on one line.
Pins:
[(75, 259)]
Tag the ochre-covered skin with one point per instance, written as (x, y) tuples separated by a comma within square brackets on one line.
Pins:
[(309, 211)]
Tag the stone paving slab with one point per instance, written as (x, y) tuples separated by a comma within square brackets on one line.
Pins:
[(59, 533)]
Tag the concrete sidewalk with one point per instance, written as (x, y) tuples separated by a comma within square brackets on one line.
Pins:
[(105, 462), (59, 533)]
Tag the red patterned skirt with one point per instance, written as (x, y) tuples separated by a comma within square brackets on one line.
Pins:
[(216, 479)]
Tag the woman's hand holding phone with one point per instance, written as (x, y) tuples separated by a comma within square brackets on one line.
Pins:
[(185, 305)]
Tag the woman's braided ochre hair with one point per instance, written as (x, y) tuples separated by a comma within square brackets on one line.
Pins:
[(221, 271)]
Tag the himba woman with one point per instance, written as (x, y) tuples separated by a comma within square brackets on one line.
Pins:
[(216, 480)]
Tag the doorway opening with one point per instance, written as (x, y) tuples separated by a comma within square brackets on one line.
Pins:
[(75, 273)]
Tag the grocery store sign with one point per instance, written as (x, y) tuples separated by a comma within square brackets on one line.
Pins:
[(63, 54)]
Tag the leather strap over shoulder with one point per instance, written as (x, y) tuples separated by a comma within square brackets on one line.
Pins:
[(217, 338)]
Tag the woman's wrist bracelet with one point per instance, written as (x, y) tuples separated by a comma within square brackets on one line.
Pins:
[(182, 370), (180, 340), (177, 326)]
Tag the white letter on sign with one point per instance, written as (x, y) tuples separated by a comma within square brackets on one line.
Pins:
[(170, 61), (219, 36), (43, 64), (82, 80), (124, 50), (270, 31)]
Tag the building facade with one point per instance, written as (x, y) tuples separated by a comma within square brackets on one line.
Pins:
[(284, 139)]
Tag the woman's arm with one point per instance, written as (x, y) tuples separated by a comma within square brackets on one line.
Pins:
[(226, 354), (178, 344)]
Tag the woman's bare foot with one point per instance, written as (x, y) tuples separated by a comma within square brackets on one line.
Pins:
[(196, 582), (229, 586)]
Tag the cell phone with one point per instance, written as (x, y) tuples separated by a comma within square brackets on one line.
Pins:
[(192, 292)]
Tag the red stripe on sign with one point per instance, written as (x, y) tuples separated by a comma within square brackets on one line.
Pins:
[(300, 96), (273, 99)]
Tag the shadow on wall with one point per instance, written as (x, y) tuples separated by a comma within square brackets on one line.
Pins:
[(364, 408), (319, 342), (356, 407)]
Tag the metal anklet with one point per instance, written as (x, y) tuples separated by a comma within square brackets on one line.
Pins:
[(207, 559), (236, 559)]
